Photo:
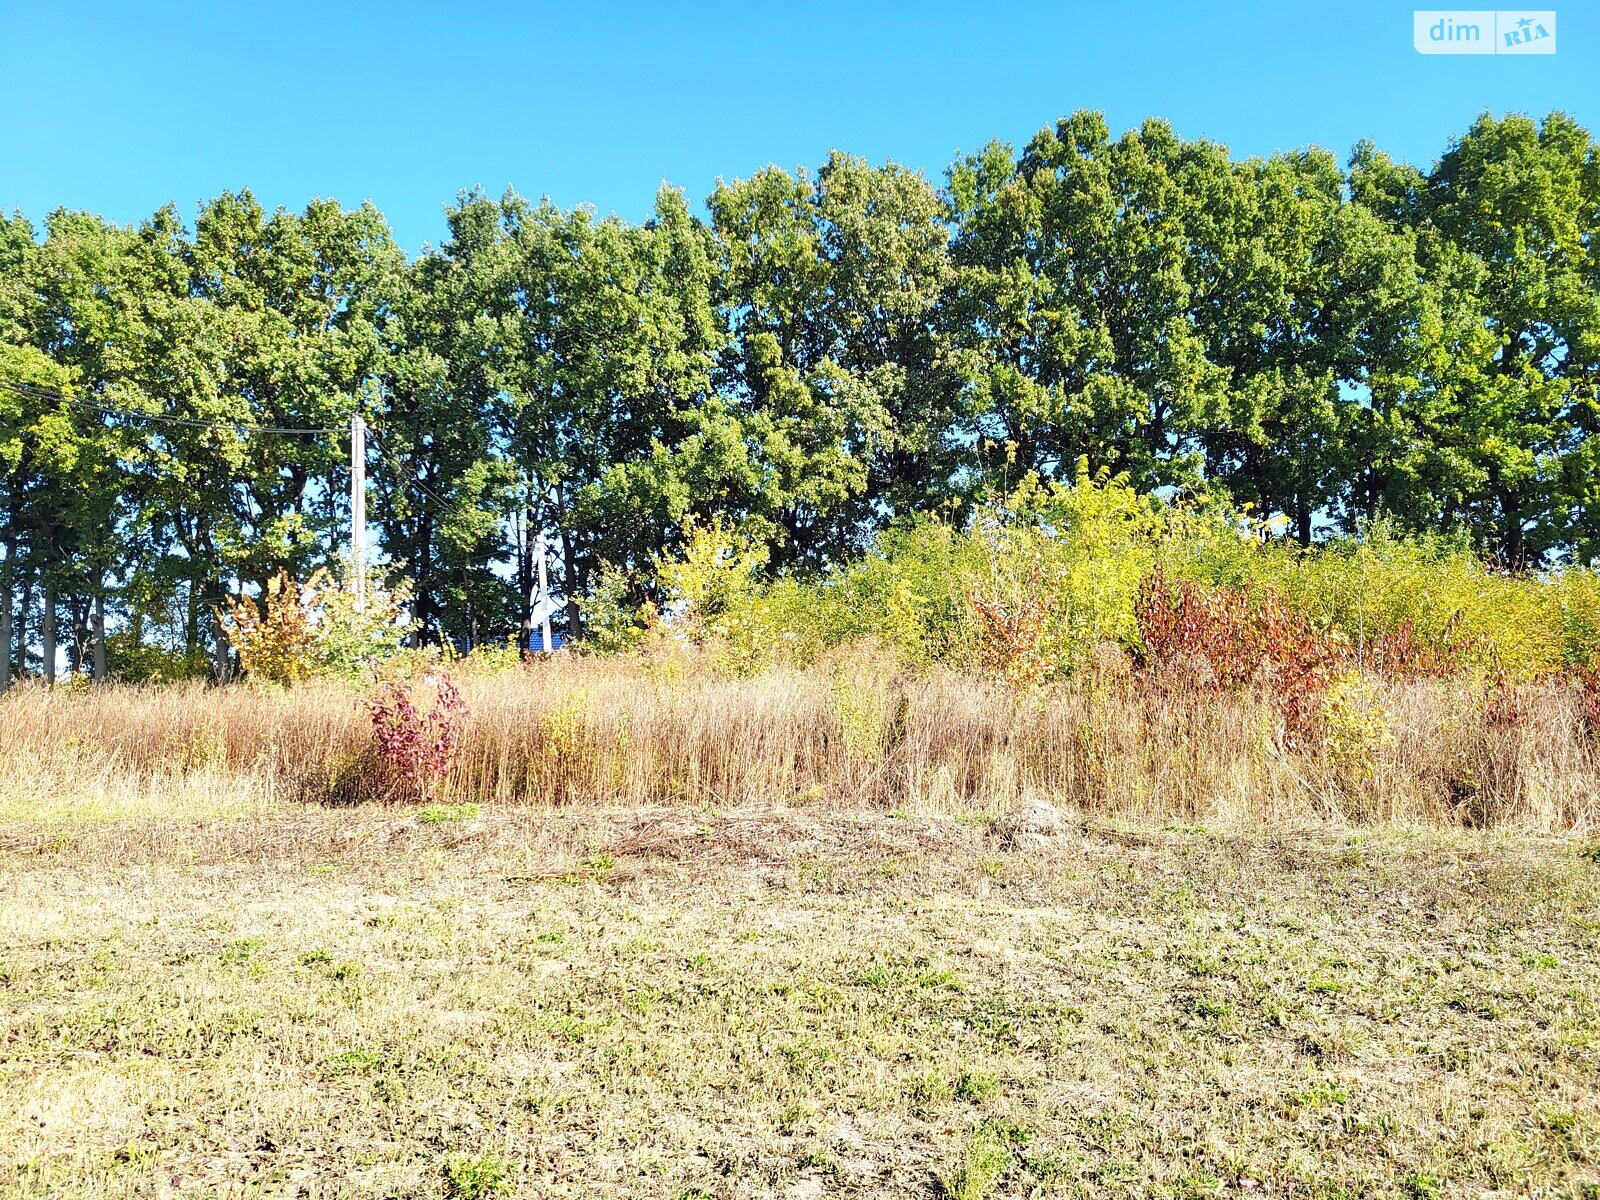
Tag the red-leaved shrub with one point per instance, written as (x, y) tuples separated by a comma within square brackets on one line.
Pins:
[(1403, 653), (1209, 640), (418, 744)]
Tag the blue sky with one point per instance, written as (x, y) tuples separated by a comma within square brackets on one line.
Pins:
[(120, 107)]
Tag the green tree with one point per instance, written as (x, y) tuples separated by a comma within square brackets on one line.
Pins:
[(25, 365), (829, 286), (1299, 297), (597, 341), (1076, 297), (1504, 398), (441, 481)]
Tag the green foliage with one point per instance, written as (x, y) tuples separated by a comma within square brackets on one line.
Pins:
[(487, 658), (444, 814), (133, 659), (565, 725), (348, 638), (901, 594), (847, 403), (711, 579), (614, 620), (931, 592), (1092, 542), (828, 288), (475, 1178), (1374, 586), (1080, 342), (977, 1169), (1085, 546), (862, 703)]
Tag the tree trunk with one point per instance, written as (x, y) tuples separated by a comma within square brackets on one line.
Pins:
[(99, 634), (22, 625), (78, 624), (221, 664), (47, 633), (5, 627), (1511, 544), (569, 556), (191, 617), (525, 579), (423, 599)]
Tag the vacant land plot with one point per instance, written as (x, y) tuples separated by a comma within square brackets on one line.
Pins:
[(766, 1004)]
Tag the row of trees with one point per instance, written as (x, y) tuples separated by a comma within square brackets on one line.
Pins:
[(819, 354)]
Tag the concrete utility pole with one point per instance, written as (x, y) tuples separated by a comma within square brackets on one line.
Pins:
[(358, 508), (544, 595)]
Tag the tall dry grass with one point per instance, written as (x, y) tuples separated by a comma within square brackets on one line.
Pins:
[(851, 733)]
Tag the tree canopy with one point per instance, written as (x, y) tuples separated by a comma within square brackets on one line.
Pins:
[(812, 356)]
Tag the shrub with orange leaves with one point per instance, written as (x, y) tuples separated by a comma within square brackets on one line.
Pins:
[(1009, 633), (1404, 653), (1210, 640), (274, 637)]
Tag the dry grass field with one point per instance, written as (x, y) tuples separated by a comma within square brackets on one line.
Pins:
[(266, 1000), (854, 734)]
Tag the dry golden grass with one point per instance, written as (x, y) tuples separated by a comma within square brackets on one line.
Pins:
[(854, 734), (675, 1004), (681, 936)]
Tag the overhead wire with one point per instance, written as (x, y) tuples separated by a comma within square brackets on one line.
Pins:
[(50, 395), (378, 441)]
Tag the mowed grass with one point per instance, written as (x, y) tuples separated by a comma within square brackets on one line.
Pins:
[(745, 1004)]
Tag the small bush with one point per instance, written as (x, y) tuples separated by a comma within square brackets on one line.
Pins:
[(983, 1160), (563, 725), (475, 1178), (275, 638), (348, 638), (442, 814), (863, 702), (486, 658), (132, 659), (294, 632), (418, 743), (1214, 640), (1009, 631), (1357, 726)]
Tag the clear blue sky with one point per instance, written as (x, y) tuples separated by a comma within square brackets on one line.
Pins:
[(120, 107)]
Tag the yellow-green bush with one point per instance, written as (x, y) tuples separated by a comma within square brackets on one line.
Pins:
[(1521, 625), (926, 588), (1086, 547)]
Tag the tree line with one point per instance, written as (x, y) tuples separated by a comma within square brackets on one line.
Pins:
[(812, 356)]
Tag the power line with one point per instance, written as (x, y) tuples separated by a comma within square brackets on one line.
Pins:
[(50, 395), (415, 482)]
